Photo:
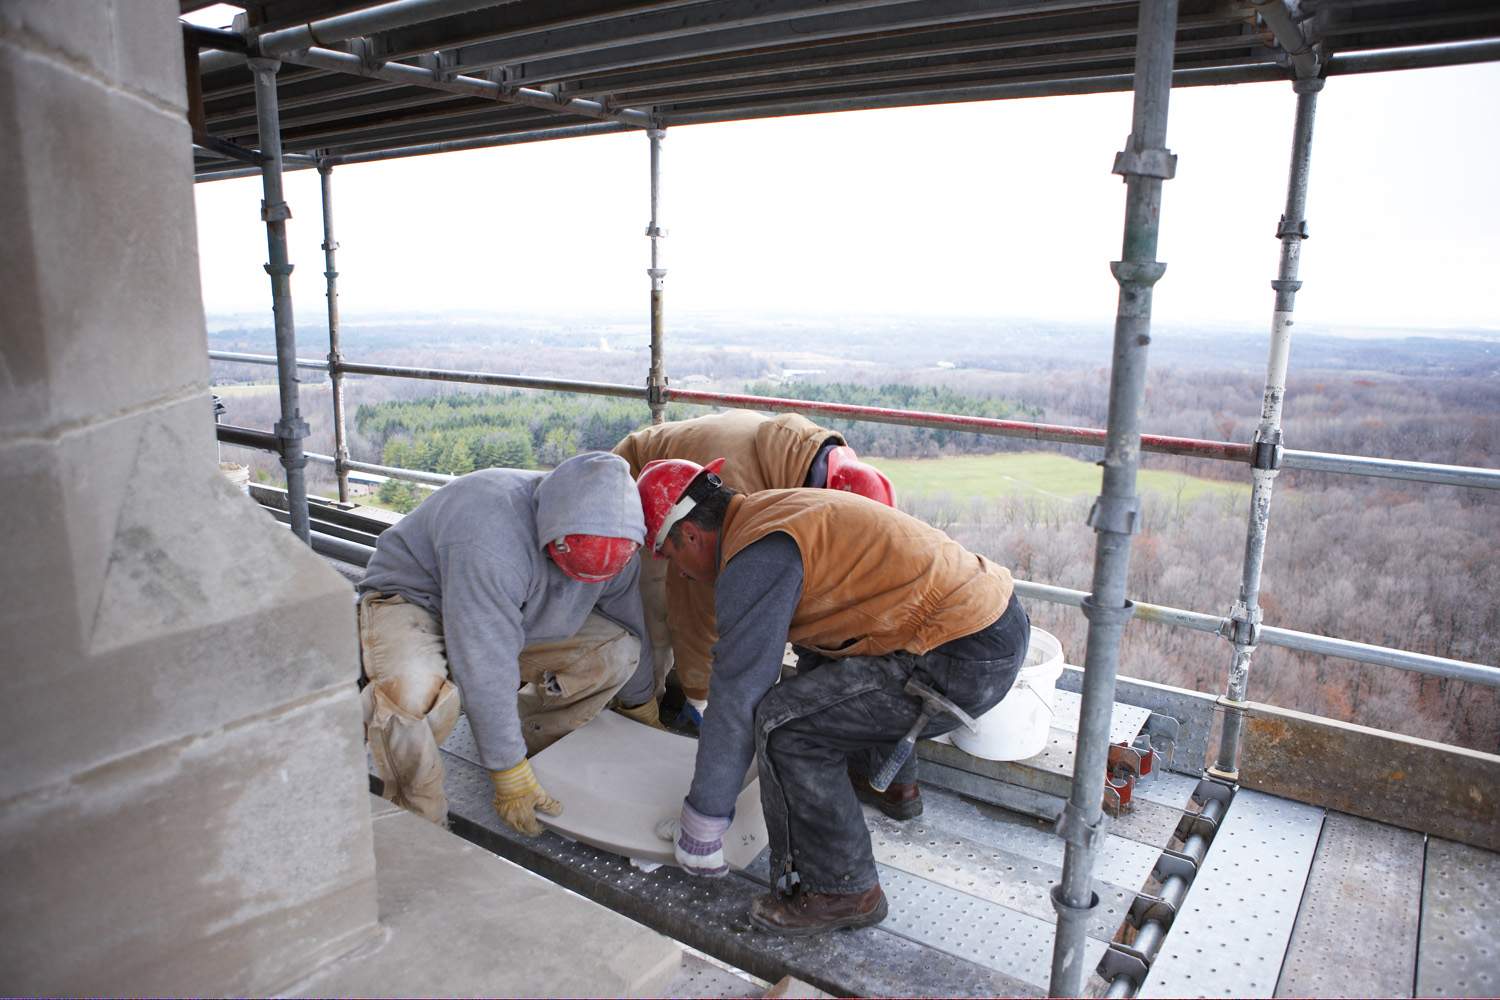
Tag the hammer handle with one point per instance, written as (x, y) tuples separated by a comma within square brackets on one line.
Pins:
[(882, 781)]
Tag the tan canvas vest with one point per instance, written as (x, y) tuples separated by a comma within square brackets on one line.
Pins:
[(874, 580), (762, 453)]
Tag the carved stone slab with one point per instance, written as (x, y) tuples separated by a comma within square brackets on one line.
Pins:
[(618, 779)]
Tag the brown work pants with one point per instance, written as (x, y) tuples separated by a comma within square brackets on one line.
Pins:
[(411, 705)]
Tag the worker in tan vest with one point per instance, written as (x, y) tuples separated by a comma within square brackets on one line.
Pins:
[(878, 598), (761, 453)]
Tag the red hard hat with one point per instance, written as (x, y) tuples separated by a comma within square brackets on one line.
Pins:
[(591, 558), (846, 472), (663, 485)]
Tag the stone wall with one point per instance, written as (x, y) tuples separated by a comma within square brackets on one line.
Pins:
[(182, 802)]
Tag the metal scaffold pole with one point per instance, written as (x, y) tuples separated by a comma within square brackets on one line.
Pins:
[(1243, 626), (1144, 164), (335, 358), (291, 428), (656, 381)]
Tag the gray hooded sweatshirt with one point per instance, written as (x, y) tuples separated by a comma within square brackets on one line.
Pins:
[(472, 554)]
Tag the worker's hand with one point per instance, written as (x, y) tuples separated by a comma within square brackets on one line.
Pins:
[(517, 794), (699, 841), (648, 714)]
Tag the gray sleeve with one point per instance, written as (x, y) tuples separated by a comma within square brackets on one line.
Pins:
[(620, 602), (483, 631), (754, 600)]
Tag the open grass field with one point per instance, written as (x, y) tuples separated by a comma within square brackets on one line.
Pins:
[(1037, 473)]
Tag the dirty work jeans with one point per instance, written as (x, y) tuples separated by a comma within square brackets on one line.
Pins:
[(809, 727), (411, 705)]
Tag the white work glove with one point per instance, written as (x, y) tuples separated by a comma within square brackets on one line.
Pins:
[(698, 841)]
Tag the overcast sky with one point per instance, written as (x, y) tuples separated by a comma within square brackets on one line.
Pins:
[(1002, 210)]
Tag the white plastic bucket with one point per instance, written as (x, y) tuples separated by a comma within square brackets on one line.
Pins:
[(1017, 727)]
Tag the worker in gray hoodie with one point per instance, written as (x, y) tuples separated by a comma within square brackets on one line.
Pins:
[(503, 580)]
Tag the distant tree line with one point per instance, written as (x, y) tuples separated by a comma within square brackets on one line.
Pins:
[(460, 432), (896, 441)]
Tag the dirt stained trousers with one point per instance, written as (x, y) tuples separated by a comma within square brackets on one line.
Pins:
[(411, 705), (809, 728)]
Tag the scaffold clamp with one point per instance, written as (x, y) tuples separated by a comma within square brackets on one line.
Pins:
[(1136, 161), (1118, 515), (1295, 227), (1266, 450), (1074, 828), (1116, 617), (1137, 272), (291, 429), (656, 232), (1242, 627), (279, 270), (278, 211)]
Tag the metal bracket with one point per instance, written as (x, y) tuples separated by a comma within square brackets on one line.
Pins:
[(1150, 756), (371, 51), (274, 211), (1195, 824), (655, 390), (1123, 960), (1165, 731), (1123, 756), (1215, 790), (1137, 272), (1286, 285), (1296, 227), (1266, 452), (1137, 161), (291, 429), (656, 232), (1073, 828), (1117, 793), (1066, 910), (1108, 616), (1117, 515), (1174, 864), (1242, 627), (278, 271), (1147, 907)]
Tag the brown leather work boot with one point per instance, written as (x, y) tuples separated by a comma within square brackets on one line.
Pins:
[(901, 801), (804, 913)]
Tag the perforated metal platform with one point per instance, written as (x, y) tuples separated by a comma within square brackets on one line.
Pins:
[(1459, 949), (968, 885), (1231, 934), (1356, 932)]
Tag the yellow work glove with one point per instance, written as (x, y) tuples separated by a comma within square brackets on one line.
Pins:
[(648, 714), (517, 794)]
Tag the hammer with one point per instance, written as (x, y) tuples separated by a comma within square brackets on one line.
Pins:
[(932, 704)]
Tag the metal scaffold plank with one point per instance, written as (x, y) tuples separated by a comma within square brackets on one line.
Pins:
[(1010, 880), (1458, 951), (1231, 934), (1124, 724), (974, 929), (711, 914), (1123, 862), (1356, 932)]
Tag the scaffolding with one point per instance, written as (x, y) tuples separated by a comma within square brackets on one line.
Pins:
[(637, 69)]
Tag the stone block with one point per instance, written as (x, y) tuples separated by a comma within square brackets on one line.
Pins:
[(149, 54), (79, 30), (103, 307), (460, 921), (223, 864), (160, 601)]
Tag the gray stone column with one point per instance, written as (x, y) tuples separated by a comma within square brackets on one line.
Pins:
[(182, 798)]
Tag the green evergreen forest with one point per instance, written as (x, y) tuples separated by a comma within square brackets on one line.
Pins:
[(461, 432)]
